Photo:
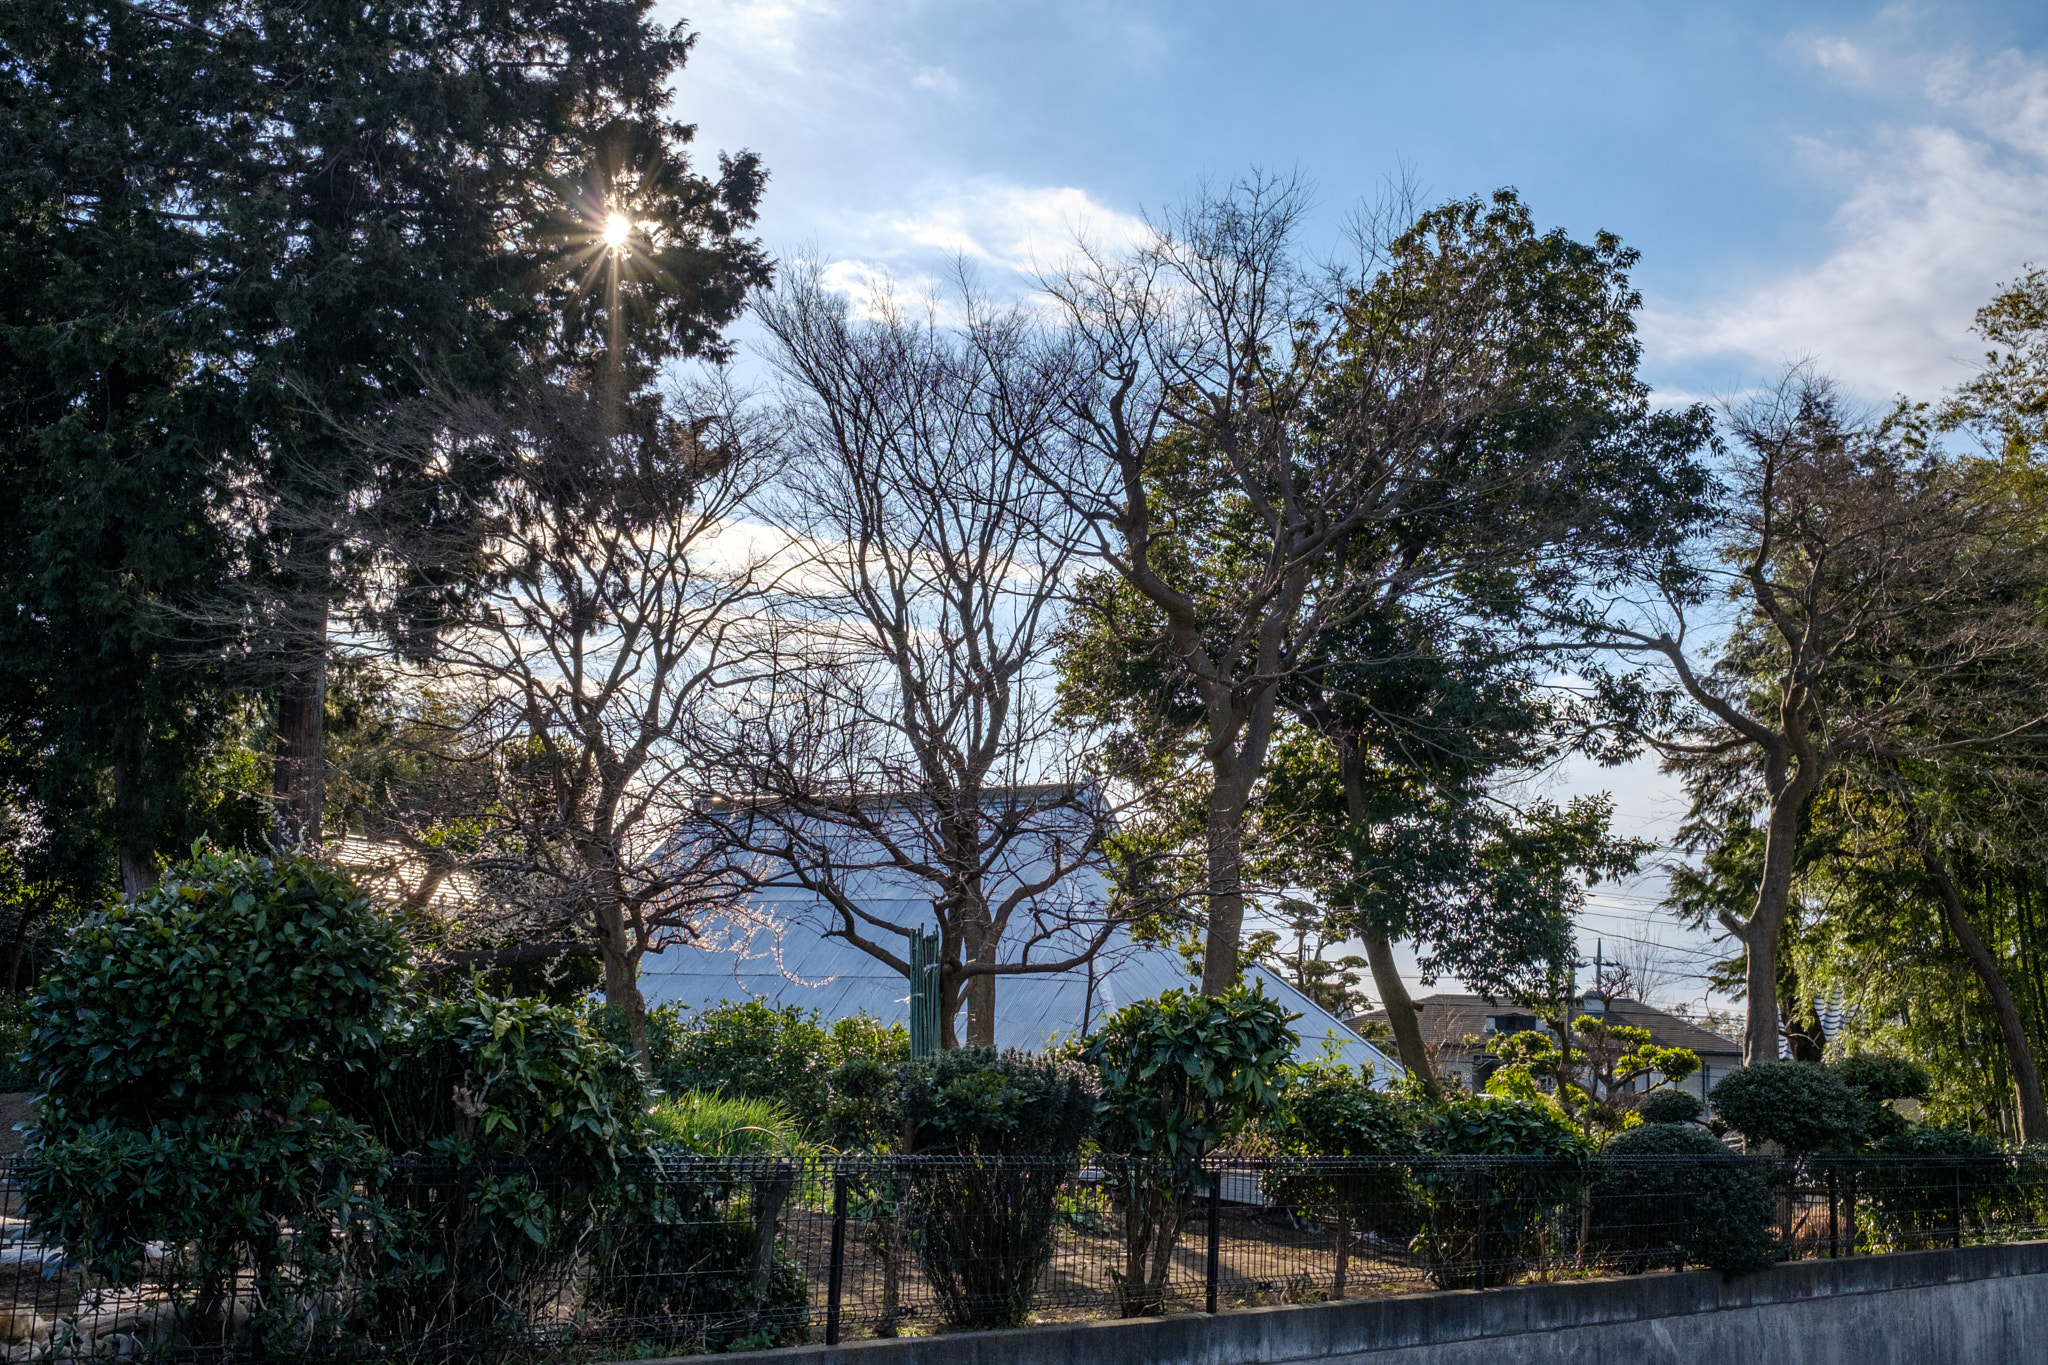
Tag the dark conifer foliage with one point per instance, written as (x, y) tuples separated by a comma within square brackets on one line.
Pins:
[(231, 235)]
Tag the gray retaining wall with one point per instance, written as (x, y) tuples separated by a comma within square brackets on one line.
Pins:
[(1981, 1305)]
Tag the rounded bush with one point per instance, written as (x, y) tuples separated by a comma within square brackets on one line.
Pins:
[(1671, 1106), (978, 1101), (1928, 1178), (189, 1045), (1683, 1193), (238, 985), (1802, 1107), (1334, 1113), (1880, 1079)]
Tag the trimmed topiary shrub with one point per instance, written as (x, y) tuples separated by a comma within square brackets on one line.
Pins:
[(1802, 1107), (1879, 1080), (1483, 1222), (1329, 1112), (1671, 1106), (1698, 1198), (1006, 1127)]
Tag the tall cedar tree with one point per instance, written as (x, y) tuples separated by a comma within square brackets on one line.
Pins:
[(233, 234)]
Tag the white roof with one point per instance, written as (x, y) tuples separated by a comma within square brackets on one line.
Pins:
[(776, 952)]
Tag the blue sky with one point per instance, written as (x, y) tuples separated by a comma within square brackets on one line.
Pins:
[(1844, 182)]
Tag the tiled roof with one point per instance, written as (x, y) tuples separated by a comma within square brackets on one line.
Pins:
[(1448, 1019)]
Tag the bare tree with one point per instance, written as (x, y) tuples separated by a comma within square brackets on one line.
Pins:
[(1842, 551), (570, 684), (902, 762)]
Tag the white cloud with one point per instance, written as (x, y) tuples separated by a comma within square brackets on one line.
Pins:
[(1004, 234), (1937, 209), (770, 32), (936, 79)]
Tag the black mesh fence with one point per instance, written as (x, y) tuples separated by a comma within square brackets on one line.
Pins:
[(684, 1255)]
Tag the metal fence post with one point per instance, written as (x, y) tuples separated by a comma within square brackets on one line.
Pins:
[(1834, 1217), (1214, 1274), (1956, 1207), (837, 1274)]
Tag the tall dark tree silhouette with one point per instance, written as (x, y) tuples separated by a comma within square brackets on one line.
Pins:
[(234, 232)]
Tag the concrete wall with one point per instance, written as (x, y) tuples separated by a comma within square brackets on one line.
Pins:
[(1981, 1305)]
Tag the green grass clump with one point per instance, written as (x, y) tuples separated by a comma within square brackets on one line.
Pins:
[(714, 1125)]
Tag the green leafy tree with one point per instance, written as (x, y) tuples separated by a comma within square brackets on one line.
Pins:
[(1180, 1076), (1402, 835), (1263, 463), (1882, 619)]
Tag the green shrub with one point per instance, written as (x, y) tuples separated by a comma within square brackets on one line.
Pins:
[(237, 985), (1180, 1075), (975, 1101), (861, 1115), (1932, 1180), (515, 1116), (753, 1050), (1513, 1212), (1671, 1106), (190, 1045), (1802, 1107), (1878, 1080), (475, 1076), (983, 1228), (1718, 1209), (1881, 1078), (1330, 1112)]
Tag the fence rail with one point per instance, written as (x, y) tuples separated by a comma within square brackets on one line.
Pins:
[(688, 1254)]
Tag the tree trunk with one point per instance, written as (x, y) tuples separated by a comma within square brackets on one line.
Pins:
[(1402, 1014), (1766, 922), (131, 826), (1342, 1237), (2026, 1071), (980, 989), (621, 954), (24, 920), (299, 774), (1225, 899)]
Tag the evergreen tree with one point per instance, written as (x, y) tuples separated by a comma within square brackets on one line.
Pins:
[(233, 236)]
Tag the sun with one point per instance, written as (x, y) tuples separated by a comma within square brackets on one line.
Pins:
[(616, 229)]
